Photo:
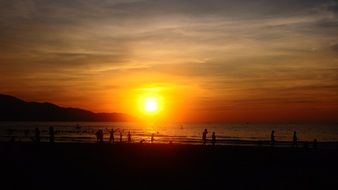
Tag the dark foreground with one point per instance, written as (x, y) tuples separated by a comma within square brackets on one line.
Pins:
[(156, 166)]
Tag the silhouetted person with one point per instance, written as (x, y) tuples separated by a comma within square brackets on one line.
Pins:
[(295, 139), (129, 137), (51, 135), (273, 138), (99, 136), (204, 136), (37, 135), (213, 140), (152, 138), (120, 136), (315, 143), (111, 136)]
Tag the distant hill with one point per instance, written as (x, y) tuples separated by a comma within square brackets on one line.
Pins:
[(14, 109)]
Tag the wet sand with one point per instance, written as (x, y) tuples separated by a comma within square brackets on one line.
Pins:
[(164, 166)]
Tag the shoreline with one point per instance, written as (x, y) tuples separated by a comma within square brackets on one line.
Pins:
[(230, 142)]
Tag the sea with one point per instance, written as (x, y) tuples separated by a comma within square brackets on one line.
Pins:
[(178, 133)]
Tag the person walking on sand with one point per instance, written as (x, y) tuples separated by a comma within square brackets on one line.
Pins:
[(51, 134), (204, 136), (273, 138), (152, 138), (37, 135), (295, 139), (111, 136), (129, 137), (213, 141)]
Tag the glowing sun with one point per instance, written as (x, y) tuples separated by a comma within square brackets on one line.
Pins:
[(150, 105)]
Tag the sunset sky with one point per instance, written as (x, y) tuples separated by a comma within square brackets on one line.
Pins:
[(205, 60)]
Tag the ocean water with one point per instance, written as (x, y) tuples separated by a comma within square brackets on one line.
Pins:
[(169, 132)]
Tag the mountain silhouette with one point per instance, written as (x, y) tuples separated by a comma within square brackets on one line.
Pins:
[(14, 109)]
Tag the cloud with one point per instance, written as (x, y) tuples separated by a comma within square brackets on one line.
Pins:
[(59, 24), (235, 48)]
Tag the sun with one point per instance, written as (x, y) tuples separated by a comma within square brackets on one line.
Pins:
[(151, 104)]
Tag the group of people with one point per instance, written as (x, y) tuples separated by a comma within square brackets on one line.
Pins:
[(99, 136), (294, 140), (204, 137), (273, 140)]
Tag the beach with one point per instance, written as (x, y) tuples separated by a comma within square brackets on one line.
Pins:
[(165, 166)]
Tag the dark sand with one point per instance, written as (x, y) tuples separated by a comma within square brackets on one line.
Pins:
[(159, 166)]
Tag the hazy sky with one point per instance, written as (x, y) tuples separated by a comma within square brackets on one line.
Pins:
[(210, 60)]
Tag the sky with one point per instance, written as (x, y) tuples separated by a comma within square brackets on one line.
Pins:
[(207, 61)]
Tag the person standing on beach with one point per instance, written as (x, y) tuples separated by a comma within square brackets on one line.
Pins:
[(120, 136), (213, 141), (295, 139), (111, 137), (51, 135), (129, 137), (273, 138), (99, 136), (152, 138), (37, 135), (204, 136)]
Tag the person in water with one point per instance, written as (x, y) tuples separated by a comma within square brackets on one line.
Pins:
[(204, 136), (129, 137), (152, 138), (120, 136), (51, 135), (272, 138), (213, 140), (111, 137), (97, 134)]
